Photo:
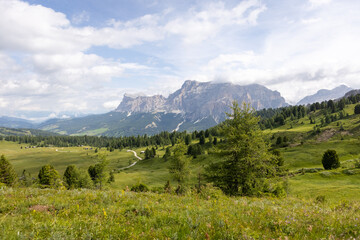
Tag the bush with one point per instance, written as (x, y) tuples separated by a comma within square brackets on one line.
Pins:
[(140, 187), (330, 160), (357, 109)]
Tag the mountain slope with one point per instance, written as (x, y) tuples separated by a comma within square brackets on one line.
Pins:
[(196, 106), (24, 132), (324, 94), (12, 122)]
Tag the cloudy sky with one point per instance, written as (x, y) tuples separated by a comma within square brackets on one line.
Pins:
[(75, 56)]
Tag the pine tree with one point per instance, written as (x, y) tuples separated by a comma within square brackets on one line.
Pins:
[(7, 173), (48, 175), (71, 177), (248, 160)]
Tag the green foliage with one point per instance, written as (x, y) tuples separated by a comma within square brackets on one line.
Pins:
[(71, 177), (167, 154), (188, 139), (97, 172), (140, 187), (202, 140), (357, 109), (111, 177), (7, 172), (195, 150), (179, 165), (26, 179), (48, 176), (150, 153), (248, 160), (330, 160)]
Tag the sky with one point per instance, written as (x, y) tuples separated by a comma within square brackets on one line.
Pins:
[(73, 57)]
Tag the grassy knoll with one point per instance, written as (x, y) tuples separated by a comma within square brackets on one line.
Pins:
[(310, 153), (335, 186), (61, 214)]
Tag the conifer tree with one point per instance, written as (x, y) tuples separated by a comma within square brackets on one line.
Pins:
[(48, 175), (71, 177), (7, 173), (248, 161)]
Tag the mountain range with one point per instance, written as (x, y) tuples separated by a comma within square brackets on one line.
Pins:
[(197, 100), (324, 95), (195, 106)]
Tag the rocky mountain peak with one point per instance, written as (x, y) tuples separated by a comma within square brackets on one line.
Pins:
[(197, 100)]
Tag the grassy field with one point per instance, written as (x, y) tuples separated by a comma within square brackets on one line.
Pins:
[(87, 214), (319, 205), (305, 151), (32, 159)]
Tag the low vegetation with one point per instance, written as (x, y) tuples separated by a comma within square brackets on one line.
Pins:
[(62, 214), (304, 173)]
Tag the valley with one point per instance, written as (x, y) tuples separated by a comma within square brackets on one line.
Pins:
[(302, 200)]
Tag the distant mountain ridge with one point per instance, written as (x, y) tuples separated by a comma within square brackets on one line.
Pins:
[(12, 122), (197, 100), (324, 95), (195, 106)]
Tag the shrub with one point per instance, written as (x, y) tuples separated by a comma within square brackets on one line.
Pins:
[(140, 187), (330, 160), (357, 109)]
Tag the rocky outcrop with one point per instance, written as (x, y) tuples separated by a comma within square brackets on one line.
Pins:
[(141, 104), (197, 100)]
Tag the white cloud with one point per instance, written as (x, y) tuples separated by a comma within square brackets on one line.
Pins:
[(318, 3), (297, 60), (45, 61), (111, 105), (197, 26), (81, 17)]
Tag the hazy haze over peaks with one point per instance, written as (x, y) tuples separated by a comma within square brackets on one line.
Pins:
[(72, 56)]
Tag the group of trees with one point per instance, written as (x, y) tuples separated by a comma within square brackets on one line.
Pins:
[(150, 153), (48, 176), (271, 118)]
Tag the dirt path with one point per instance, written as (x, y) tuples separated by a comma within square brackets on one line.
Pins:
[(133, 164)]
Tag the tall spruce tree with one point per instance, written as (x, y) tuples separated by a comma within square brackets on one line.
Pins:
[(7, 173), (248, 161)]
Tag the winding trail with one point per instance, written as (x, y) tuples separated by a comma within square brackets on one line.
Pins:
[(133, 164)]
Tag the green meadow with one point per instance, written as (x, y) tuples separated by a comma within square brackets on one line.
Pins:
[(320, 204)]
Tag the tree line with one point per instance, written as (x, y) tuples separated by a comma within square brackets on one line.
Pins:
[(111, 143), (272, 118)]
